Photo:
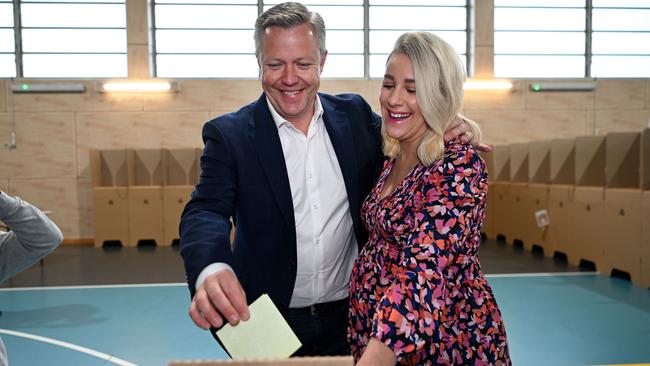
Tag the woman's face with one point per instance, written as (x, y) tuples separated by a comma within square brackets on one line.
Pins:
[(403, 119)]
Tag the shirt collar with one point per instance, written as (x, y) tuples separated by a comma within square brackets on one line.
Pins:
[(279, 120)]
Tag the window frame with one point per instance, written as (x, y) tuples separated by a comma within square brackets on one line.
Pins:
[(588, 32), (19, 28), (364, 52)]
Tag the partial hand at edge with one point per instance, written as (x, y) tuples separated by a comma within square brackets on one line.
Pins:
[(458, 128), (220, 298)]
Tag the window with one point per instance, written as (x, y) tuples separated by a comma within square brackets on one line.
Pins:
[(344, 23), (212, 38), (73, 38), (7, 44), (539, 38), (610, 39), (390, 18), (620, 42), (205, 38)]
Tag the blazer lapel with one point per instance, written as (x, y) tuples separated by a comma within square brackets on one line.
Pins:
[(269, 151), (341, 136)]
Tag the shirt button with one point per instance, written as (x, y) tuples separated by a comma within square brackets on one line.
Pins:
[(317, 241), (315, 206), (309, 175)]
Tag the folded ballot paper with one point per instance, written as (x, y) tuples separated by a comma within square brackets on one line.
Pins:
[(266, 334)]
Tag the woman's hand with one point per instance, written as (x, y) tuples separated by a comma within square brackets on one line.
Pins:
[(377, 354)]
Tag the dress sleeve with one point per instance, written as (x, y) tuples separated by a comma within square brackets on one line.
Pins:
[(412, 312)]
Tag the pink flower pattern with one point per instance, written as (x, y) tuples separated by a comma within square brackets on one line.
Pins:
[(417, 285)]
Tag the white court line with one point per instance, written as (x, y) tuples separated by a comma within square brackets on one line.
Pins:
[(542, 274), (93, 286), (74, 347)]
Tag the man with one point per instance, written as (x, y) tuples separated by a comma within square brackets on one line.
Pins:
[(291, 169), (32, 236)]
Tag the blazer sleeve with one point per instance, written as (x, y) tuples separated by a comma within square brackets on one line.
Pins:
[(412, 312), (205, 222)]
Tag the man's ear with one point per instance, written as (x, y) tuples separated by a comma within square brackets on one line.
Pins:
[(323, 56)]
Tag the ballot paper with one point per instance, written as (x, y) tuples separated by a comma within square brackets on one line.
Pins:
[(265, 334)]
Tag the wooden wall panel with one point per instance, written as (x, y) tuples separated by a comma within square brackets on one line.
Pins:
[(45, 145), (484, 62), (493, 100), (57, 195), (85, 206), (484, 22), (138, 61), (206, 95), (91, 100), (4, 185), (620, 94), (506, 127), (137, 22), (55, 131), (4, 85), (560, 100), (136, 130), (621, 120)]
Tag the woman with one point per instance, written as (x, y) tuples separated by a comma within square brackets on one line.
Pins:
[(418, 295)]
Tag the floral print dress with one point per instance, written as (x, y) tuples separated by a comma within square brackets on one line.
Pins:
[(417, 285)]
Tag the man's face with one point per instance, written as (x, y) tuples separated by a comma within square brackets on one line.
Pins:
[(291, 66)]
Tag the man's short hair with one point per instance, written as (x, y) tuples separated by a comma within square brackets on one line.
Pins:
[(287, 15)]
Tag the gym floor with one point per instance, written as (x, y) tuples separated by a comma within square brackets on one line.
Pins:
[(128, 306)]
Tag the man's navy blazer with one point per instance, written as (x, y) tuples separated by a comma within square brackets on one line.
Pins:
[(244, 177)]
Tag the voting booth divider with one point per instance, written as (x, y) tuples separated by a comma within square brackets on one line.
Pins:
[(586, 199), (139, 194)]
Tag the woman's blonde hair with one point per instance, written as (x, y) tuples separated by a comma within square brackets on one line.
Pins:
[(439, 78)]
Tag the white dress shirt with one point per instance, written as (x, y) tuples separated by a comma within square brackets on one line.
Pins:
[(325, 243)]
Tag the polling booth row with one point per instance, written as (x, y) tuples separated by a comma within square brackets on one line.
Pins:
[(139, 194), (586, 199)]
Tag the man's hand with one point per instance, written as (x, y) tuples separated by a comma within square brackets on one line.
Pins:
[(458, 128), (220, 298)]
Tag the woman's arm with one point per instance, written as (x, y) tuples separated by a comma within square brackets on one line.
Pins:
[(377, 354)]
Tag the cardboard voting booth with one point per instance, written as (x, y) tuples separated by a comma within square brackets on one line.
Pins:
[(499, 191), (179, 178), (109, 179), (645, 223), (623, 205), (622, 244), (534, 198), (645, 159), (559, 235), (645, 240), (518, 187), (563, 160), (587, 239), (587, 208), (145, 196), (139, 194)]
